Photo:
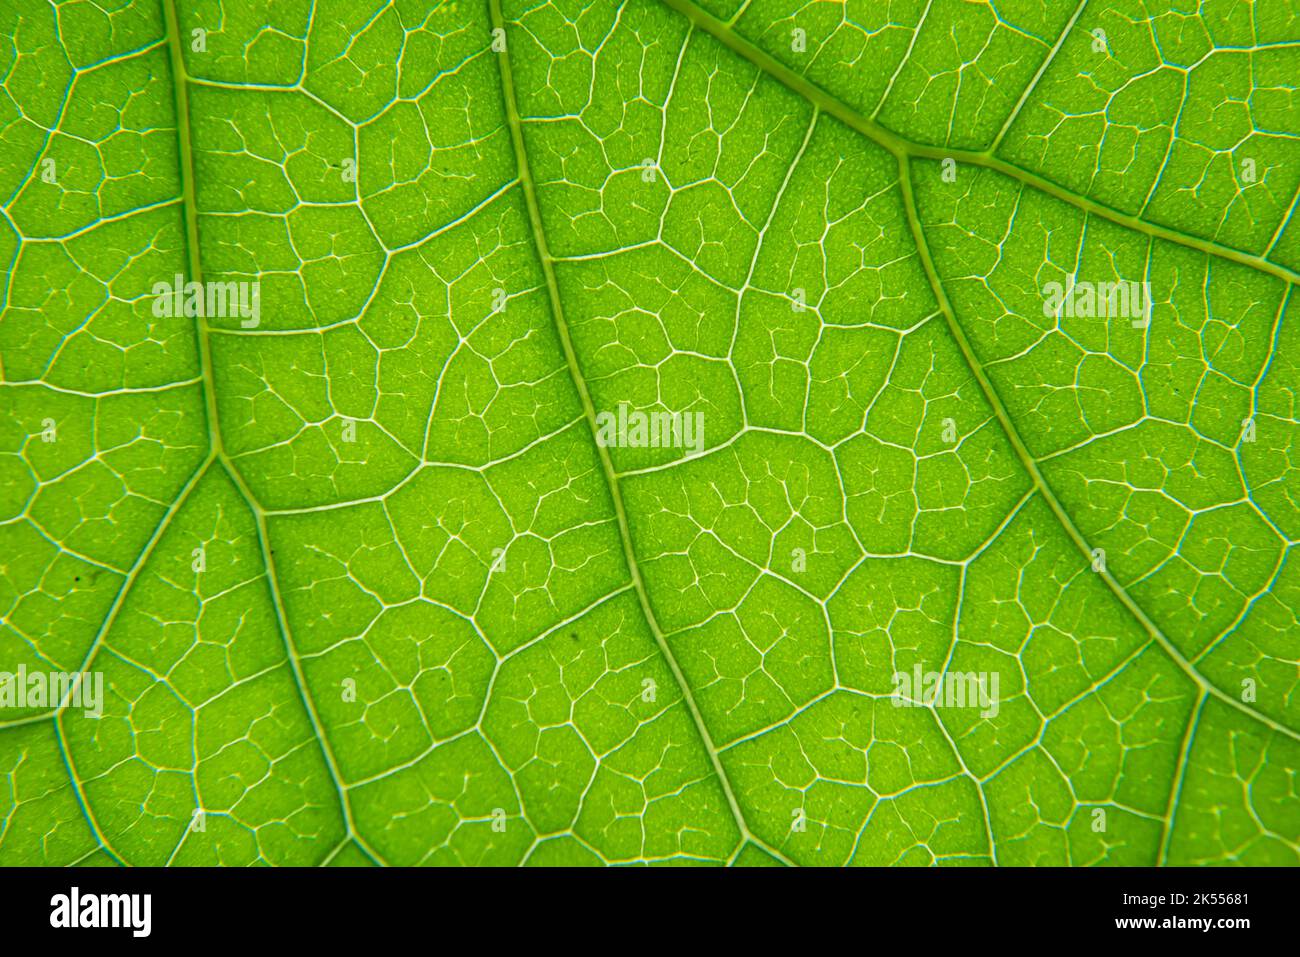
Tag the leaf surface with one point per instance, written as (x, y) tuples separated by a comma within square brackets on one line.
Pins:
[(364, 583)]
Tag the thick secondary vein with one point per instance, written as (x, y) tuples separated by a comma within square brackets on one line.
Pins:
[(905, 151), (180, 88), (1033, 83), (900, 146), (589, 410), (1030, 464), (1176, 787)]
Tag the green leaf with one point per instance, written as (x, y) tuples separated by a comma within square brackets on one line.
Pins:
[(365, 578)]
